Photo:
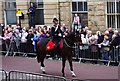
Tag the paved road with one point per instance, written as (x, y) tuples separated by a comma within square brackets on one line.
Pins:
[(83, 71)]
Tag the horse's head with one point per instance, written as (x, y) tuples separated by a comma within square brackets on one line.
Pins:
[(74, 36)]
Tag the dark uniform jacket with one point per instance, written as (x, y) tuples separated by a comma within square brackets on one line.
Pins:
[(56, 33)]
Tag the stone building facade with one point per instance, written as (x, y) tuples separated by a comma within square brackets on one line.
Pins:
[(94, 13)]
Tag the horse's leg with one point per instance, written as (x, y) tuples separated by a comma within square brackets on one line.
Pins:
[(40, 59), (71, 66), (63, 66), (42, 63)]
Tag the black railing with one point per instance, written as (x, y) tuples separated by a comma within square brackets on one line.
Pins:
[(79, 80), (95, 53), (25, 76)]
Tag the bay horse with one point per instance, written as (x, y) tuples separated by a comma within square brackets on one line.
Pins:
[(65, 52)]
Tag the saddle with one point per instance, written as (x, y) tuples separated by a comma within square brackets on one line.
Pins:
[(52, 45)]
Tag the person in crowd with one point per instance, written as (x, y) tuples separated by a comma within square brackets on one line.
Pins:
[(84, 40), (31, 14), (115, 39), (115, 42), (111, 32), (29, 41), (106, 33), (42, 35), (23, 40), (76, 22), (30, 36), (88, 36), (99, 37), (19, 28), (17, 38), (63, 28), (35, 39), (105, 48), (93, 40), (8, 36), (48, 33), (45, 29)]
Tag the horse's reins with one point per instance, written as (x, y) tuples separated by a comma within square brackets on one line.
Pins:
[(68, 44)]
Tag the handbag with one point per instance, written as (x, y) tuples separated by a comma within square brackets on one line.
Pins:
[(106, 48)]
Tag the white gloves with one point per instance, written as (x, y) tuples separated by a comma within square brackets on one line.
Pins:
[(60, 34)]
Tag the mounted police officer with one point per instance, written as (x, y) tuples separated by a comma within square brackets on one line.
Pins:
[(56, 33)]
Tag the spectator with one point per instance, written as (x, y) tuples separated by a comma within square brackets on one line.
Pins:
[(63, 28), (76, 22), (16, 38), (99, 37), (88, 36), (115, 39), (19, 28), (105, 48), (93, 40), (29, 41), (8, 36), (31, 14), (23, 44), (42, 35), (24, 35), (84, 40), (83, 31), (111, 32)]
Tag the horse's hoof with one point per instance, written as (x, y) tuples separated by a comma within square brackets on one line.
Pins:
[(63, 75), (44, 72)]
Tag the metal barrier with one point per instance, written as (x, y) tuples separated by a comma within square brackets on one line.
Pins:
[(79, 80), (3, 75), (24, 76), (106, 54), (9, 48)]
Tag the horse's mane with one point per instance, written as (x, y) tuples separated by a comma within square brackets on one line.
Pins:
[(70, 38), (70, 35)]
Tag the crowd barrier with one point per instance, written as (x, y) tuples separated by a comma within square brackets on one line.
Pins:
[(79, 80), (3, 75), (81, 52), (16, 75), (106, 54), (27, 76), (10, 48)]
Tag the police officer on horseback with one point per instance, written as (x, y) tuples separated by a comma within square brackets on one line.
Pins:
[(56, 33)]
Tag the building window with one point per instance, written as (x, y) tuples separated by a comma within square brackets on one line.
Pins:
[(80, 7), (10, 5), (38, 3), (10, 11), (113, 14), (74, 6)]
